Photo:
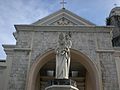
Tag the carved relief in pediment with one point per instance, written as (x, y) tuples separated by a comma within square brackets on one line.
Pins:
[(63, 22)]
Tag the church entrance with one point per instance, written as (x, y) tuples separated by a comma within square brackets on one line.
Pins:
[(82, 70), (47, 73)]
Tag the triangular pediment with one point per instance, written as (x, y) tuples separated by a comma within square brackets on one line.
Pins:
[(63, 17)]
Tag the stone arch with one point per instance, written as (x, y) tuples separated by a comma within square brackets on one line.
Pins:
[(93, 73)]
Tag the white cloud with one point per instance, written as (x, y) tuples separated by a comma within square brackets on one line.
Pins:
[(16, 12), (28, 11)]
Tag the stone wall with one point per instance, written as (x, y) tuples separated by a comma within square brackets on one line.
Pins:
[(94, 44), (18, 71), (3, 69), (117, 60), (109, 72)]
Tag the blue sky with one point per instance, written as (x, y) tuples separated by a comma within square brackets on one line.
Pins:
[(28, 11)]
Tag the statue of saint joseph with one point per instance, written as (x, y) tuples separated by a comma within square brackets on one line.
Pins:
[(63, 56)]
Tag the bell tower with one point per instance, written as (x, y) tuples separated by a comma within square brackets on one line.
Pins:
[(114, 20)]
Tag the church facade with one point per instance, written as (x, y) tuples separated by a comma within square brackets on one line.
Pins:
[(95, 53)]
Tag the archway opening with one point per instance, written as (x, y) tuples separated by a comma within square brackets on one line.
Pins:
[(47, 72), (82, 70)]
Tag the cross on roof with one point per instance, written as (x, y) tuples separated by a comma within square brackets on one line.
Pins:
[(63, 3)]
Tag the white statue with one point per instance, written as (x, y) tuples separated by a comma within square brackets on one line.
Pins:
[(63, 57)]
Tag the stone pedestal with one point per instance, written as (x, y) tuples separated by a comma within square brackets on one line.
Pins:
[(61, 84), (61, 87)]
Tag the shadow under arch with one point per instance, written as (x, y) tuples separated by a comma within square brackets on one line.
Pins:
[(93, 74)]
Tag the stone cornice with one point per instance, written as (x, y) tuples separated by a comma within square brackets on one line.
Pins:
[(8, 49), (117, 48), (22, 49), (3, 64), (105, 51), (88, 29), (117, 51), (8, 46)]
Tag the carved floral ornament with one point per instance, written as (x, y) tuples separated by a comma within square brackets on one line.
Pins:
[(63, 22)]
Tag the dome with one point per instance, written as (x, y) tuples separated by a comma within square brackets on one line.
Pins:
[(115, 11)]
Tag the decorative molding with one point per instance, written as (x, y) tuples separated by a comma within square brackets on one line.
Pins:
[(8, 49), (22, 49), (80, 19), (3, 64), (117, 48), (105, 51), (8, 46), (63, 22), (88, 29), (117, 51)]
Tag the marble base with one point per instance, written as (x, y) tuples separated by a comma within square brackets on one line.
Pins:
[(61, 87), (62, 84)]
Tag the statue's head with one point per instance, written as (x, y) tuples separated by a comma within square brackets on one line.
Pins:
[(61, 36), (61, 39)]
